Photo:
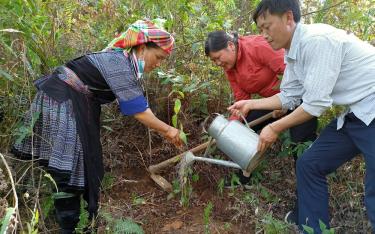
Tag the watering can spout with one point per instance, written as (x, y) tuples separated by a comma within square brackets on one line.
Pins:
[(189, 157)]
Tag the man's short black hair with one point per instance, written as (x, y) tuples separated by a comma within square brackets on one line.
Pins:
[(278, 7)]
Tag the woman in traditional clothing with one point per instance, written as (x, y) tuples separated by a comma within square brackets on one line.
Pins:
[(67, 111)]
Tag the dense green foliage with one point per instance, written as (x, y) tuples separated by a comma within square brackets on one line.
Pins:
[(37, 35)]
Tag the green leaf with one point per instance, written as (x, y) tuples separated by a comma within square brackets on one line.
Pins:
[(126, 226), (166, 81), (108, 181), (195, 178), (60, 195), (191, 88), (220, 186), (159, 22), (108, 128), (195, 47), (139, 201), (234, 180), (174, 121), (47, 175), (84, 217), (178, 79), (283, 153), (22, 132), (36, 218), (32, 6), (26, 130), (46, 205), (182, 95), (6, 220), (177, 106), (183, 137), (6, 75), (322, 225), (308, 229)]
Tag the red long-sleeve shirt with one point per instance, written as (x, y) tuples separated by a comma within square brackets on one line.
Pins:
[(257, 68)]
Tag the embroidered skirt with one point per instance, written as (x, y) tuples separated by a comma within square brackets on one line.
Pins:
[(55, 140)]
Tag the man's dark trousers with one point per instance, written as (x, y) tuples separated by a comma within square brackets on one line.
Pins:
[(332, 149)]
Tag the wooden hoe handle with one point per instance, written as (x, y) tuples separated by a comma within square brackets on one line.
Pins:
[(158, 167)]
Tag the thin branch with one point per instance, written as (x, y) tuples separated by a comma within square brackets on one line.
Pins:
[(20, 160), (140, 153), (148, 131), (20, 178), (14, 191), (324, 9)]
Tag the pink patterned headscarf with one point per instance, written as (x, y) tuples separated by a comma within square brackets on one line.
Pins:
[(141, 32)]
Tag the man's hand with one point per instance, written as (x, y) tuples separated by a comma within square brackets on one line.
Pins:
[(240, 108), (267, 136), (270, 132)]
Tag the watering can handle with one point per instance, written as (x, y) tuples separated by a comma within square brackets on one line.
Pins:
[(248, 124), (244, 120), (205, 121)]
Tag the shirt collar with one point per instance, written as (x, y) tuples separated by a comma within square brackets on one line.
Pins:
[(297, 35)]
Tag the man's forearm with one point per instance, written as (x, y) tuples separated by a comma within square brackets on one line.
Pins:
[(270, 103), (297, 117)]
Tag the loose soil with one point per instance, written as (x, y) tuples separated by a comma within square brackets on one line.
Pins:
[(134, 195), (129, 192)]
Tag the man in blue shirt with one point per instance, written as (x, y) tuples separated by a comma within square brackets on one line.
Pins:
[(325, 66)]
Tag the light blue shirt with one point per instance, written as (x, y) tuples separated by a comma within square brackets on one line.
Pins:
[(327, 66)]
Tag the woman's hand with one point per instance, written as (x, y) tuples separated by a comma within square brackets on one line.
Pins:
[(173, 136), (150, 120), (267, 136), (240, 108)]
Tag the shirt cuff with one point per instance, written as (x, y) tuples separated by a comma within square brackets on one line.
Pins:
[(133, 106), (288, 103), (313, 110)]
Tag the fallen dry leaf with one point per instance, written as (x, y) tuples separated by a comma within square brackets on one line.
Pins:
[(172, 226)]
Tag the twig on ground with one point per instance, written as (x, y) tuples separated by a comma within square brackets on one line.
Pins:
[(124, 181), (140, 154)]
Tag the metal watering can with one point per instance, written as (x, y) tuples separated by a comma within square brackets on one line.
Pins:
[(233, 138), (237, 141)]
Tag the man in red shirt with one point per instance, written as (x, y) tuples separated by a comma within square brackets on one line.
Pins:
[(253, 68)]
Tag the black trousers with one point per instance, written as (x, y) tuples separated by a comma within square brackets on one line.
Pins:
[(68, 209), (67, 212)]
